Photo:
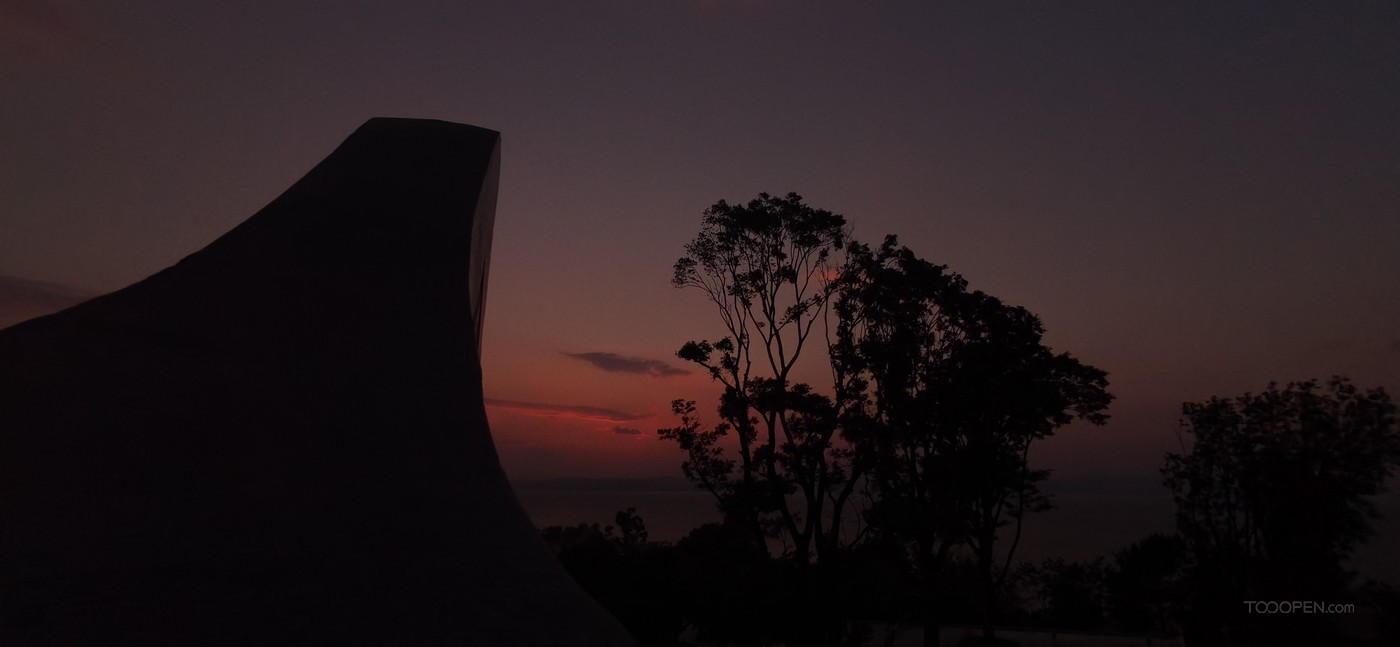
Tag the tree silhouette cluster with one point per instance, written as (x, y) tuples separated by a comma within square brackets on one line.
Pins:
[(937, 394), (766, 267), (955, 386), (895, 495), (1273, 496)]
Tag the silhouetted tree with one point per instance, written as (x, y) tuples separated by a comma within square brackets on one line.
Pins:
[(632, 530), (959, 387), (1144, 585), (1001, 389), (639, 582), (937, 395), (733, 592), (1272, 497), (889, 333), (766, 266), (1069, 595)]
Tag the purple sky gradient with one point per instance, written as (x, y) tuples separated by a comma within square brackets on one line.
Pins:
[(1197, 200)]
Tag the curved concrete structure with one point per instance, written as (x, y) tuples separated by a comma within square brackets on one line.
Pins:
[(281, 440)]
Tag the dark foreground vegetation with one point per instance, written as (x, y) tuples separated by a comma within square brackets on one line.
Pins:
[(895, 494), (712, 587)]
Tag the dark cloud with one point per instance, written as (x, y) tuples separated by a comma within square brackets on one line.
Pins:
[(1395, 346), (627, 431), (565, 411), (614, 363)]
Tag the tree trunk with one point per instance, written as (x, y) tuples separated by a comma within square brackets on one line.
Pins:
[(985, 563), (759, 537), (928, 570)]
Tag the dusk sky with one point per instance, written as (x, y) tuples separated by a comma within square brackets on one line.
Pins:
[(1198, 200)]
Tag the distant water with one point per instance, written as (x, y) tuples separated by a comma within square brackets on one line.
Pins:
[(670, 509), (1078, 529), (1091, 518)]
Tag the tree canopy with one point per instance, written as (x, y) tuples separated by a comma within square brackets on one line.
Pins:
[(958, 386), (767, 266), (937, 392), (1273, 493)]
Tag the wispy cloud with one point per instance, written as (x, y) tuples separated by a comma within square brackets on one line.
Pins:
[(614, 363), (565, 411), (627, 431)]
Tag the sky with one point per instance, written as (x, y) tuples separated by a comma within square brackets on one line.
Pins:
[(1198, 198)]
